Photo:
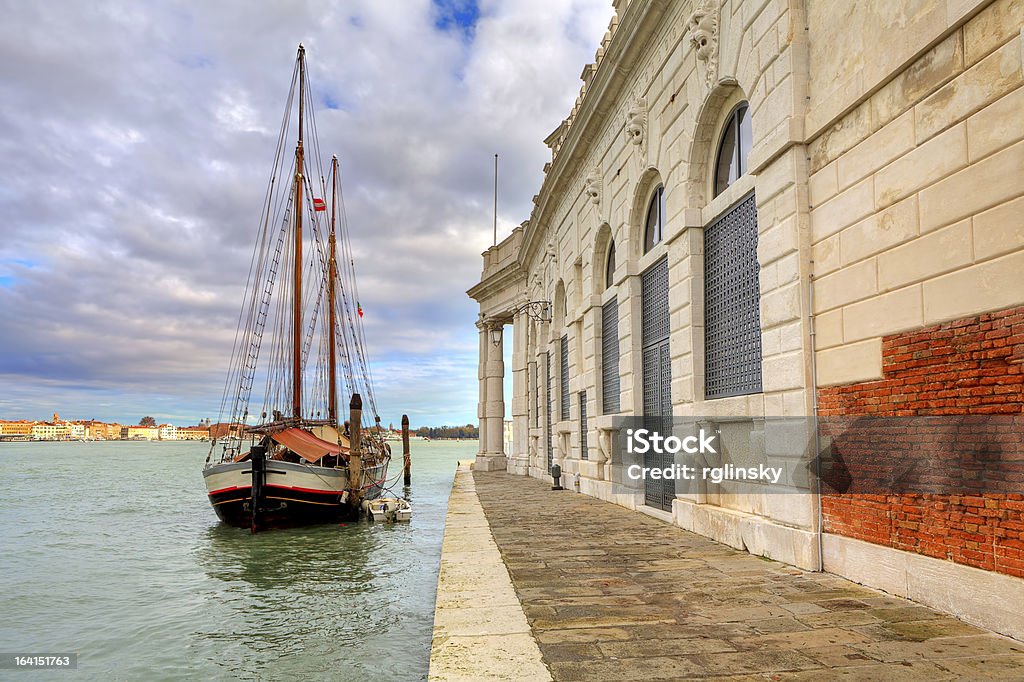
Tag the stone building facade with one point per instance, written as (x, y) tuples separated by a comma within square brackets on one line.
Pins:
[(765, 208)]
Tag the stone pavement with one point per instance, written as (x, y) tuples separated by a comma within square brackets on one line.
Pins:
[(612, 594)]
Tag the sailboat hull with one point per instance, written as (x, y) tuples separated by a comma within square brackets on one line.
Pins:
[(292, 494)]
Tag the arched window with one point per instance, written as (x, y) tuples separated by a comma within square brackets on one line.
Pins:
[(609, 270), (655, 228), (733, 149)]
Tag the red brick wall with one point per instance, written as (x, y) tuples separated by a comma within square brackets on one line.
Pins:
[(969, 366)]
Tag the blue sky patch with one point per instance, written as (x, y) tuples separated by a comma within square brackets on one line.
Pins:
[(330, 101), (456, 15)]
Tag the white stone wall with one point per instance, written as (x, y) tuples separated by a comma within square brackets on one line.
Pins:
[(916, 193)]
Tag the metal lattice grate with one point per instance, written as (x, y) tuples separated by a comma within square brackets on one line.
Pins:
[(564, 376), (610, 357), (657, 376), (654, 307), (547, 393), (732, 322), (583, 425)]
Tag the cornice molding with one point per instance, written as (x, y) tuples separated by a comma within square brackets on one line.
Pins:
[(639, 21)]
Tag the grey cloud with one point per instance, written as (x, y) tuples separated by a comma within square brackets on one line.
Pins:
[(135, 144)]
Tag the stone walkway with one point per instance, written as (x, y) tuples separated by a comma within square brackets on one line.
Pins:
[(612, 594), (480, 631)]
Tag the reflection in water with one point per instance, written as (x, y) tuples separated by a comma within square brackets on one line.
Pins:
[(297, 558), (288, 593)]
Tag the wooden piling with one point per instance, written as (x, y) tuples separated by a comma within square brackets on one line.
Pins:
[(406, 455), (355, 457)]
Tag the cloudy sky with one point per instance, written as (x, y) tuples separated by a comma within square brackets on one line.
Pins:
[(136, 140)]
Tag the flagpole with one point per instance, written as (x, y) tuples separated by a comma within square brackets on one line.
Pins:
[(495, 199)]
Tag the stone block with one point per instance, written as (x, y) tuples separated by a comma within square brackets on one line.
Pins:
[(826, 255), (883, 146), (781, 173), (879, 567), (851, 363), (778, 240), (925, 75), (934, 254), (791, 336), (876, 233), (926, 164), (782, 372), (886, 314), (780, 305), (996, 126), (843, 135), (985, 82), (999, 230), (490, 463), (793, 546), (991, 28), (992, 285), (844, 209), (982, 185), (853, 283), (824, 184), (828, 329)]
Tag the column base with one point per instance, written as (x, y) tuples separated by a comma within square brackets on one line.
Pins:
[(491, 463)]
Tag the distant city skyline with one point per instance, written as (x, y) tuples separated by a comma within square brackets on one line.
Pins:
[(136, 149)]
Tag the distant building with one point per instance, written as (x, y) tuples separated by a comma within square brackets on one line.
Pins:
[(193, 433), (168, 432), (140, 432), (51, 431), (16, 428), (108, 431)]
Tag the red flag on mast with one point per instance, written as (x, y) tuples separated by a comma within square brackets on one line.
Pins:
[(319, 204)]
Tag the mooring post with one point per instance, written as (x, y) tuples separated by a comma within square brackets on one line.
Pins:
[(258, 466), (406, 456), (355, 456)]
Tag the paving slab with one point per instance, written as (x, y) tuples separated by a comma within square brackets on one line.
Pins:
[(609, 593)]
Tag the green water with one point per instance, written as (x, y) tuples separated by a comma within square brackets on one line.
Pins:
[(111, 550)]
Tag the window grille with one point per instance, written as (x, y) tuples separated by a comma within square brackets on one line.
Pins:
[(583, 425), (732, 321), (564, 396), (657, 375), (610, 388)]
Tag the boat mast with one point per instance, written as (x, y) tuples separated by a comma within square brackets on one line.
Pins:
[(297, 283), (332, 273)]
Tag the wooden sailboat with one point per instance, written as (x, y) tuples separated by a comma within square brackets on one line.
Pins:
[(297, 462)]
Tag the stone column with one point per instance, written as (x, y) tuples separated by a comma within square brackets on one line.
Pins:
[(520, 396), (493, 457), (481, 376)]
